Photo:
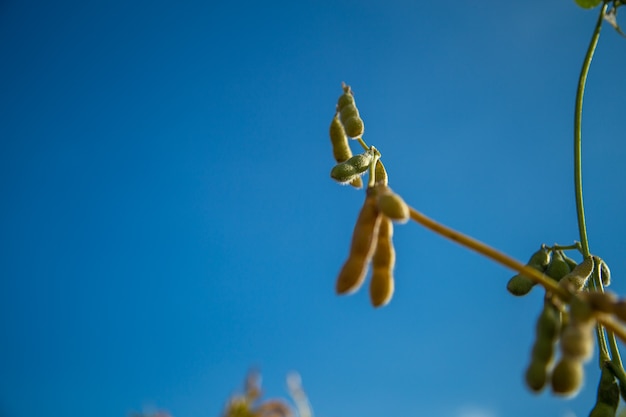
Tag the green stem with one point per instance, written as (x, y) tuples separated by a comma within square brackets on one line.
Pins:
[(578, 113), (566, 247), (604, 353), (578, 184)]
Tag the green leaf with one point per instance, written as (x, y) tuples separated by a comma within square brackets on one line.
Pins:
[(588, 4)]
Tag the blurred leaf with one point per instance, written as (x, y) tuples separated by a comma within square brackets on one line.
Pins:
[(588, 4)]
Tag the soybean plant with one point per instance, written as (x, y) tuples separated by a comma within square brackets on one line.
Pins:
[(576, 309)]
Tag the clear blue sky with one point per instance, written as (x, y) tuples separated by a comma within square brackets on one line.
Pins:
[(167, 218)]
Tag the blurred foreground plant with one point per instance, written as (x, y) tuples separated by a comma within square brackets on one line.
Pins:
[(250, 404)]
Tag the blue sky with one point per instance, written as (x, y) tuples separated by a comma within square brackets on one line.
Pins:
[(168, 219)]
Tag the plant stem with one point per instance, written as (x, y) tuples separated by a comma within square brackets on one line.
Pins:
[(578, 113), (612, 327), (490, 252), (578, 183)]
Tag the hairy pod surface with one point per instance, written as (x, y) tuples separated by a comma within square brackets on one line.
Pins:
[(558, 267), (351, 169), (577, 279), (349, 116), (346, 99), (608, 395), (382, 283), (567, 377), (339, 141), (354, 126), (381, 173), (364, 238), (392, 205)]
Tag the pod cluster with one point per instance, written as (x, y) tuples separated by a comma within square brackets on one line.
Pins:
[(341, 127), (347, 123), (250, 404), (372, 244), (558, 266), (542, 357), (349, 114), (576, 343)]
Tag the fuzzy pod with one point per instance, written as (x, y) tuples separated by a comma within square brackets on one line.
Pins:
[(383, 261), (354, 127), (547, 331), (567, 377), (608, 395), (339, 141), (381, 173), (549, 323), (341, 147), (558, 267), (348, 112), (577, 342), (351, 169), (346, 99), (351, 120), (364, 238), (536, 375), (392, 205), (520, 285), (577, 279)]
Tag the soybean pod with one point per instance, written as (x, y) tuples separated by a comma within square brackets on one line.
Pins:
[(382, 284), (364, 238)]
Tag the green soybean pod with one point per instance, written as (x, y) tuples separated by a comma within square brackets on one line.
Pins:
[(567, 377), (558, 267), (577, 279), (364, 238), (392, 205), (520, 284), (346, 98), (382, 283), (381, 173), (608, 395), (339, 141), (540, 259), (577, 341), (351, 169), (546, 331), (536, 375), (572, 263)]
